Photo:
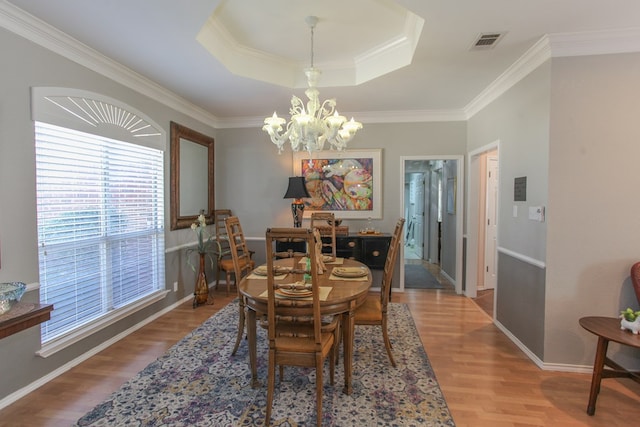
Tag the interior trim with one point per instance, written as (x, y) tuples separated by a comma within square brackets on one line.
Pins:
[(523, 258)]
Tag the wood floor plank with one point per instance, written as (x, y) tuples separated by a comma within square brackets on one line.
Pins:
[(486, 379)]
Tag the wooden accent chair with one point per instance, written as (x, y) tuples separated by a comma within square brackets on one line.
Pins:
[(326, 219), (243, 265), (374, 309), (296, 336), (635, 279)]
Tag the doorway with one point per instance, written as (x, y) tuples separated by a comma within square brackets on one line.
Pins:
[(432, 203), (482, 226)]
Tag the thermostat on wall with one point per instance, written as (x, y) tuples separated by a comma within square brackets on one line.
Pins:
[(536, 213)]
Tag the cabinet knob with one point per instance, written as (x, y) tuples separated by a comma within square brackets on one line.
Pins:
[(376, 253), (352, 244)]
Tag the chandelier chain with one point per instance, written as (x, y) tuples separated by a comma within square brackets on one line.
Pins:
[(312, 46)]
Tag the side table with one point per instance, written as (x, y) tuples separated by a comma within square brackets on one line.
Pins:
[(22, 316), (607, 329)]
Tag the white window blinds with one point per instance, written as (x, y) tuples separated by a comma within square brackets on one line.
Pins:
[(100, 225)]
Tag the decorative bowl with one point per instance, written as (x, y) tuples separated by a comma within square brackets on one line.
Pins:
[(337, 221), (10, 293)]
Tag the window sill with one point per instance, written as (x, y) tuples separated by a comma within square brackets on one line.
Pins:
[(71, 338)]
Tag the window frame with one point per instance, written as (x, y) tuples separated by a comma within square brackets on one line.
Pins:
[(105, 117)]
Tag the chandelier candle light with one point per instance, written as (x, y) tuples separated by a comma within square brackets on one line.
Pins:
[(314, 125)]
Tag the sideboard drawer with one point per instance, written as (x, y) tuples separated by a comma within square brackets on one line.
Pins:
[(348, 247), (374, 251), (368, 249)]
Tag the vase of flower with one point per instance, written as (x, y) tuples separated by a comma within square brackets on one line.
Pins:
[(201, 289)]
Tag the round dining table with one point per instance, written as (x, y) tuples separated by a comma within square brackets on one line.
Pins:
[(346, 295)]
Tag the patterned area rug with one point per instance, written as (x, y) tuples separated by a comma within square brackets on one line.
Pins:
[(198, 383)]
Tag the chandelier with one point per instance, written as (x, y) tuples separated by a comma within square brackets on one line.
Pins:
[(311, 127)]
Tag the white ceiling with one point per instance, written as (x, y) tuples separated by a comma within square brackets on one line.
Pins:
[(157, 39)]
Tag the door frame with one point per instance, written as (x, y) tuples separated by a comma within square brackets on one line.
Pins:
[(490, 283), (473, 196), (460, 209)]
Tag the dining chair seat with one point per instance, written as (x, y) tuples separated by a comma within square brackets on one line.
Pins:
[(370, 312), (303, 341), (228, 267)]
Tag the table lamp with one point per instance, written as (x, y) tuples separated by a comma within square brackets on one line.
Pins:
[(296, 191)]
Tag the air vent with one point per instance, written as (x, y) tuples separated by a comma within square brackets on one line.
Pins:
[(487, 40)]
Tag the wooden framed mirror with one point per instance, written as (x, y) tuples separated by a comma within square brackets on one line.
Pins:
[(192, 176)]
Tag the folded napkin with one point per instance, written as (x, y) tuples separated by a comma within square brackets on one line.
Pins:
[(348, 279), (324, 292), (338, 260), (258, 276)]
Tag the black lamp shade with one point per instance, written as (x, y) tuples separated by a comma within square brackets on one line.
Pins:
[(297, 188)]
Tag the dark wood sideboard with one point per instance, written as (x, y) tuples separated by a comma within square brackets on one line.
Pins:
[(369, 249)]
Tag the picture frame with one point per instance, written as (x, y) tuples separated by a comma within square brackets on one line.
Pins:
[(347, 183), (192, 175), (451, 196)]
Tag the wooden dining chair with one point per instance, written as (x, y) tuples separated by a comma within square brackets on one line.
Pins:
[(224, 260), (243, 265), (326, 223), (374, 309), (295, 330)]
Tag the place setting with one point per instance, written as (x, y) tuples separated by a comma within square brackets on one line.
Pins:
[(260, 272), (298, 290), (349, 273)]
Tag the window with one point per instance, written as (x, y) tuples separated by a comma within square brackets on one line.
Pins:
[(100, 218)]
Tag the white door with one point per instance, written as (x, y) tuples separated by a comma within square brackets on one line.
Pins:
[(491, 235), (418, 213)]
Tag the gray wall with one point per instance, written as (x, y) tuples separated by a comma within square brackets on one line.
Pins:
[(519, 119), (571, 128), (25, 65), (593, 227), (251, 178)]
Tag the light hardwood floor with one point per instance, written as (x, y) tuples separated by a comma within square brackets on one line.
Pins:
[(486, 379)]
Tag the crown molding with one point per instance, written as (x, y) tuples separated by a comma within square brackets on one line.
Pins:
[(532, 59), (554, 46), (408, 116), (39, 32), (31, 28), (624, 40)]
